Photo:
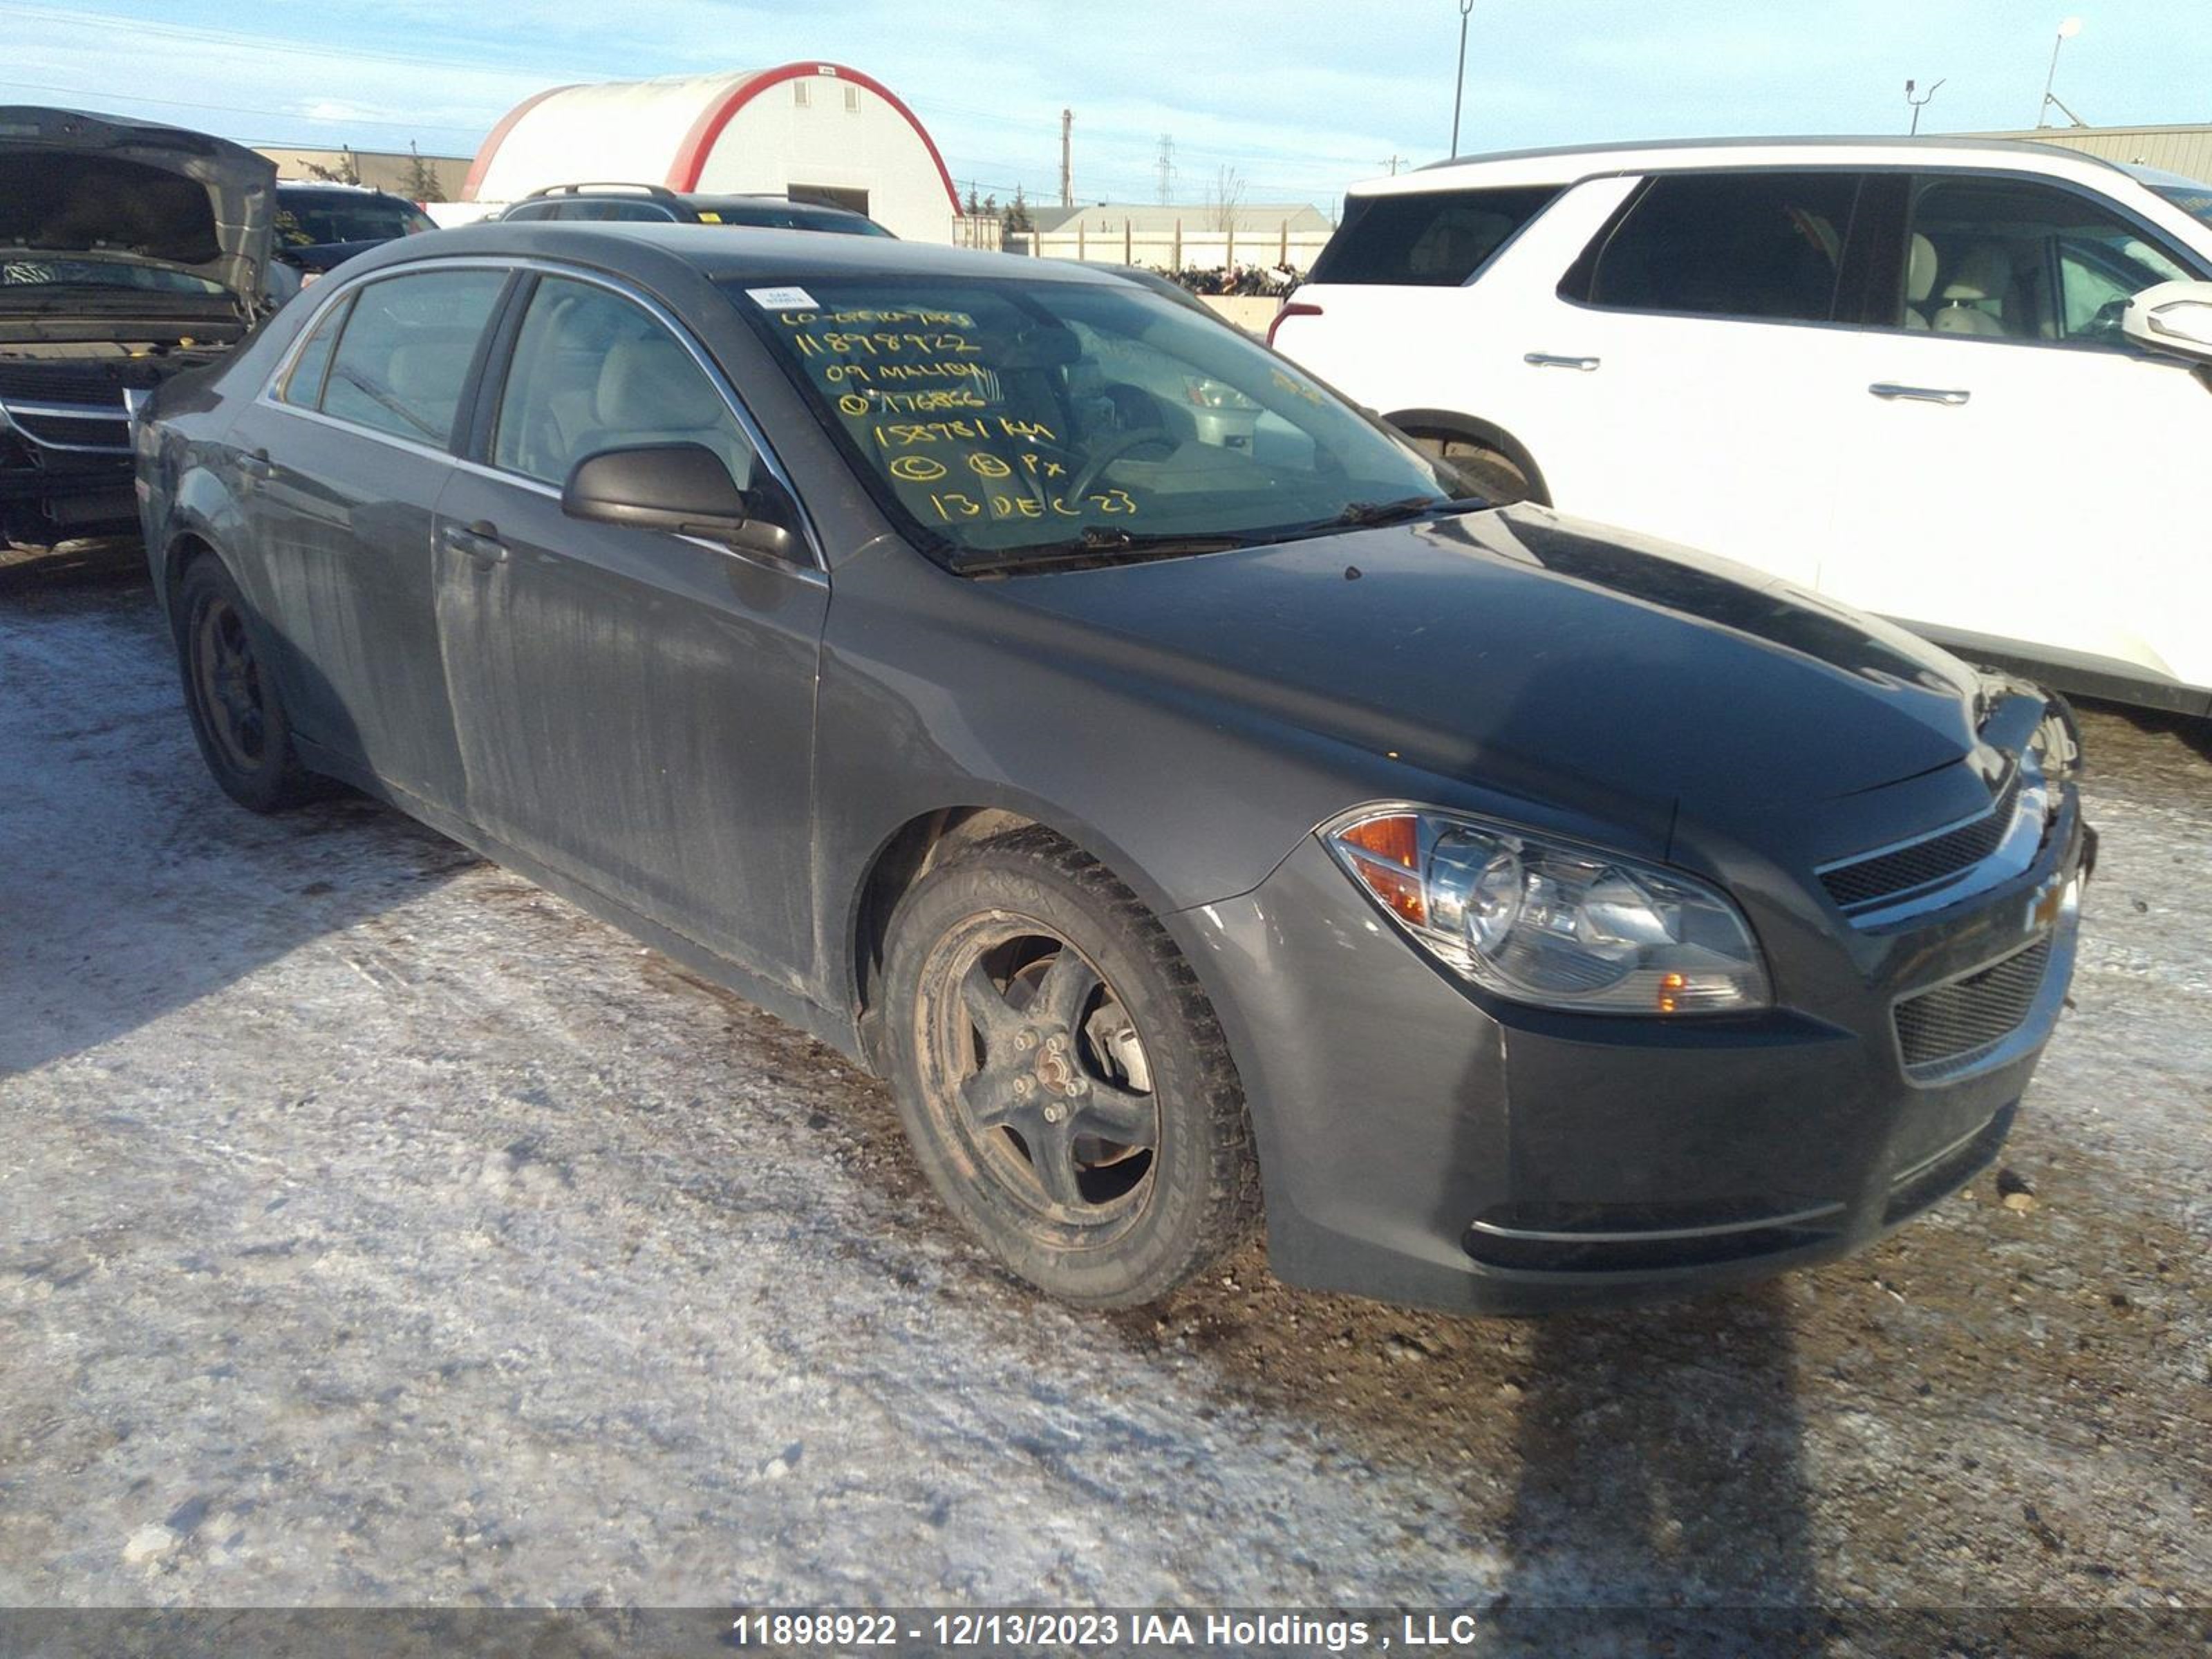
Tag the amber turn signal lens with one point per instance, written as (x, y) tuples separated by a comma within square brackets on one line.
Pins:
[(1395, 838), (1388, 862)]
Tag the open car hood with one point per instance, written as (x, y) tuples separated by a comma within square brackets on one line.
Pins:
[(107, 186)]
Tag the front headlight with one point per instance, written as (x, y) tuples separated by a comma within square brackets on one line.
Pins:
[(1550, 923)]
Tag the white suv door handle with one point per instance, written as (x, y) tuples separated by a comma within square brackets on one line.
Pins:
[(1950, 397), (1549, 360)]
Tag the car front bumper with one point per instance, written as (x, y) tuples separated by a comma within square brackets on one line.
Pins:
[(1422, 1142)]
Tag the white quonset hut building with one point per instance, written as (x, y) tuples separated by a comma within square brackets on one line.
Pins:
[(820, 131)]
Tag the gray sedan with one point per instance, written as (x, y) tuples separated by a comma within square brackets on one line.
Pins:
[(1181, 811)]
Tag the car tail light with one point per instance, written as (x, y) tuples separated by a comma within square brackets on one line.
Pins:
[(1291, 308)]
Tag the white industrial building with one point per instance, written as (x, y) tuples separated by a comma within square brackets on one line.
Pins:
[(820, 131)]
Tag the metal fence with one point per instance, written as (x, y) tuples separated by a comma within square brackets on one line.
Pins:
[(1187, 244)]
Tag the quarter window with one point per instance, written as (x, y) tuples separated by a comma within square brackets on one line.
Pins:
[(2008, 260), (1763, 245), (593, 371), (311, 368), (1428, 238), (403, 359)]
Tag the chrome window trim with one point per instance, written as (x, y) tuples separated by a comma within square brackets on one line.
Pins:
[(269, 396)]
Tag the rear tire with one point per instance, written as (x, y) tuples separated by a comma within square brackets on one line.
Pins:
[(1063, 1080), (1491, 474), (237, 712)]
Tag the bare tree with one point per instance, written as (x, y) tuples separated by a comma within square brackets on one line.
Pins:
[(1223, 198)]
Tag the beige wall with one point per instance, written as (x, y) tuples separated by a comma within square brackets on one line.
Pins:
[(379, 169), (2184, 149)]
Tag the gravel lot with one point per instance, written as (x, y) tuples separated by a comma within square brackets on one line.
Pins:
[(375, 1229)]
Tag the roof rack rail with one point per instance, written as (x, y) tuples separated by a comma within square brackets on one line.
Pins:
[(607, 184)]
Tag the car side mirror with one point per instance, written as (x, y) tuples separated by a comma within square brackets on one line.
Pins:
[(685, 489), (2172, 318)]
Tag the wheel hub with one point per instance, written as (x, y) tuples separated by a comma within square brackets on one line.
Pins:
[(1054, 1067)]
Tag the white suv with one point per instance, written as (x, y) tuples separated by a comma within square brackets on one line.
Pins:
[(1922, 375)]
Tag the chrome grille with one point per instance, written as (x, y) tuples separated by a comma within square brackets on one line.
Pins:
[(1951, 1027), (63, 426), (1884, 876)]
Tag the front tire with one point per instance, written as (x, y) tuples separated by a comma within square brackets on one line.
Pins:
[(1492, 476), (237, 713), (1063, 1080)]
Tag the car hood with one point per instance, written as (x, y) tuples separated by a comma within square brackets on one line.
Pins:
[(1528, 652), (106, 187)]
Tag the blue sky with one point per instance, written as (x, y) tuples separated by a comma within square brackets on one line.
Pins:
[(1300, 98)]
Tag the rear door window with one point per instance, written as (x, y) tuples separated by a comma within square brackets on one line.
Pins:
[(1760, 245), (1426, 239), (403, 360)]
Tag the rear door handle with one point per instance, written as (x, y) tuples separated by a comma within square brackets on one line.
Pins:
[(480, 542), (1552, 360), (256, 464), (1951, 397)]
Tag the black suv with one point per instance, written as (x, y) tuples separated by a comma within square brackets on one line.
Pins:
[(321, 225), (655, 203)]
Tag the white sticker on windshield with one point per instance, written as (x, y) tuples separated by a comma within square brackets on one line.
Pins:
[(782, 299)]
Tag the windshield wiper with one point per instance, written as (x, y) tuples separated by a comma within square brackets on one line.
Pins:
[(1096, 546), (1361, 514)]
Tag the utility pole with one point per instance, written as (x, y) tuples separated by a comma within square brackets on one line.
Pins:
[(1067, 171), (1459, 86), (1392, 164), (1167, 168), (1917, 103)]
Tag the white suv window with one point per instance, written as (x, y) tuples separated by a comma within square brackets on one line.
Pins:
[(1762, 246), (1431, 239), (2015, 260)]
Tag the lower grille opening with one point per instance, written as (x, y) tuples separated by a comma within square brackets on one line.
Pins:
[(1949, 1170), (1952, 1026)]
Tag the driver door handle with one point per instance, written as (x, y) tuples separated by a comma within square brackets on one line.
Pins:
[(1552, 360), (480, 542), (1950, 397)]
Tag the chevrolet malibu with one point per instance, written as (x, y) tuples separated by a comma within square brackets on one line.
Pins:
[(1193, 821)]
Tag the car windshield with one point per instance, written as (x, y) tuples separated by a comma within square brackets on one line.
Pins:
[(311, 221), (1011, 420), (28, 268), (2191, 198)]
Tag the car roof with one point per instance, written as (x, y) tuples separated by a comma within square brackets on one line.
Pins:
[(749, 254), (1564, 164)]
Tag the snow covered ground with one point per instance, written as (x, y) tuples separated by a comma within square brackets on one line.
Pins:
[(376, 1229)]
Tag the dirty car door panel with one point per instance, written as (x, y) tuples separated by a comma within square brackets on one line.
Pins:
[(636, 708)]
